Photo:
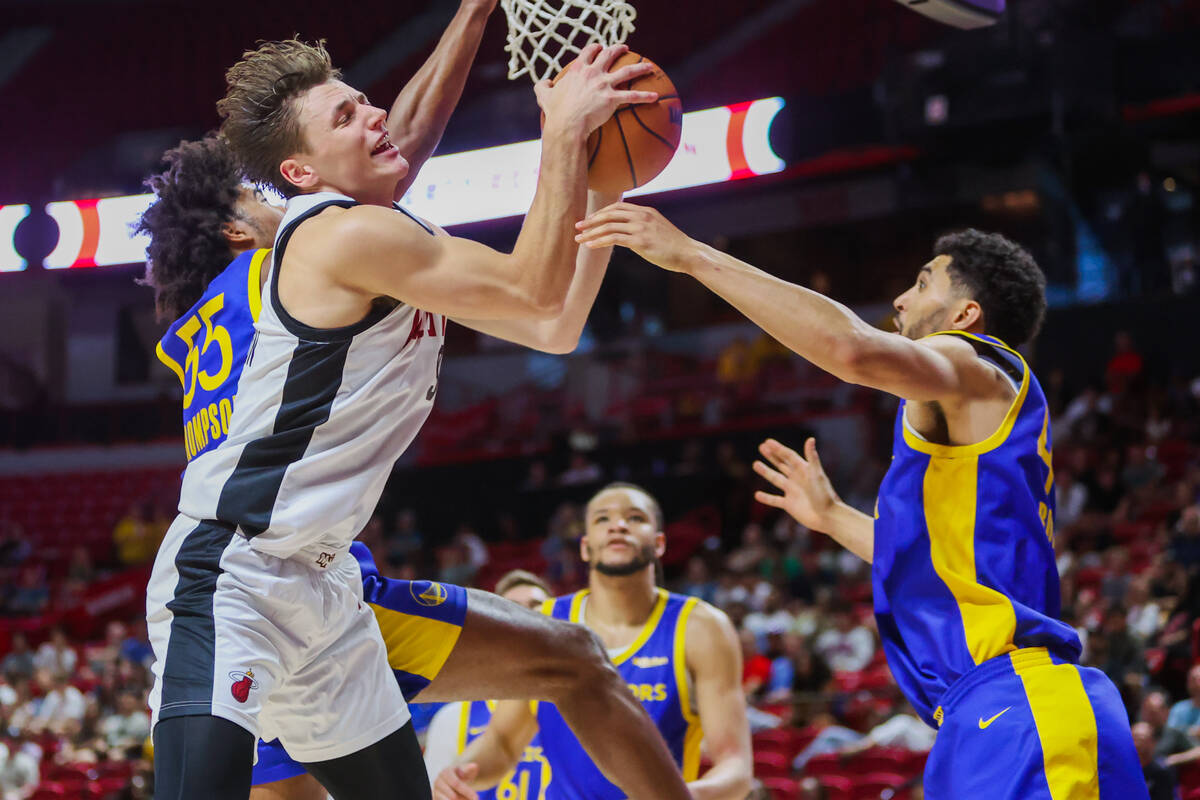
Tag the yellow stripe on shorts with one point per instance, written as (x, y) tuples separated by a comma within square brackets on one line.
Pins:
[(1066, 724), (417, 645)]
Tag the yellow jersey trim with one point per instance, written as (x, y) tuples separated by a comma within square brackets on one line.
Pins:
[(417, 645), (951, 494), (990, 443), (694, 734), (254, 282), (1065, 721), (647, 631), (170, 362), (464, 722)]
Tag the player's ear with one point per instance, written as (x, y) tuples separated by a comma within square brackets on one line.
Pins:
[(237, 233), (968, 315), (298, 174), (660, 544), (583, 549)]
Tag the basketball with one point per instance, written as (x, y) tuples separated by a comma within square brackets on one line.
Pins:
[(638, 141)]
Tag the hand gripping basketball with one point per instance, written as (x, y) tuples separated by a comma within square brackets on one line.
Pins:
[(586, 93)]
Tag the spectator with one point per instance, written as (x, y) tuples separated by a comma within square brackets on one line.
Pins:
[(62, 703), (847, 646), (1160, 779), (1185, 539), (697, 582), (128, 726), (80, 567), (1154, 711), (1072, 498), (903, 731), (134, 536), (1140, 470), (756, 667), (56, 654), (32, 593), (752, 551), (580, 471), (773, 618), (135, 648), (19, 661), (1126, 364), (1185, 715), (1144, 617), (19, 771)]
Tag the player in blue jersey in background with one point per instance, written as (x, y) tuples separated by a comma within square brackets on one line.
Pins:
[(966, 589), (455, 725), (679, 656)]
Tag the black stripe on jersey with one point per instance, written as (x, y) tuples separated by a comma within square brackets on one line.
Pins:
[(191, 646), (414, 218), (295, 326), (313, 379), (1006, 361)]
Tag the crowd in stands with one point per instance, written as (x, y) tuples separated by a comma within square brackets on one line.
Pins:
[(828, 721)]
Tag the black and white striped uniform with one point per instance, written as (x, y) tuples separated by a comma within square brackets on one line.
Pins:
[(254, 606)]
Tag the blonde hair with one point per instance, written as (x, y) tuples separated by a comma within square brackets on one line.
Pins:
[(258, 111)]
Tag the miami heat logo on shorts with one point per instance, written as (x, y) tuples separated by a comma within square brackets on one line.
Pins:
[(428, 593), (243, 682)]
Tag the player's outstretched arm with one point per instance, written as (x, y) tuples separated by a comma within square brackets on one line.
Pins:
[(420, 112), (561, 334), (374, 251), (821, 330), (808, 497), (714, 657), (507, 652)]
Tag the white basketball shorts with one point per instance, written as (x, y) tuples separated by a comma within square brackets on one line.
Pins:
[(284, 648)]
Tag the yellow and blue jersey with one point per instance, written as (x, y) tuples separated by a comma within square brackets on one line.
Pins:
[(207, 347), (529, 780), (964, 566), (655, 668)]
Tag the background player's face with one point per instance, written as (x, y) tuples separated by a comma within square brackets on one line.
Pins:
[(621, 535), (259, 219), (929, 304), (527, 595), (347, 146)]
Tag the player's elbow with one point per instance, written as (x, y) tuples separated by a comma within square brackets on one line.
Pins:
[(582, 665), (560, 345), (855, 356)]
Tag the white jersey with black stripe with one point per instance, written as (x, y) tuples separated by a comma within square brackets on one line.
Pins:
[(321, 417)]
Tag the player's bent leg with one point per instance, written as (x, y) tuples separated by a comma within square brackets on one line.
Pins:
[(201, 758), (300, 787), (392, 767), (506, 652)]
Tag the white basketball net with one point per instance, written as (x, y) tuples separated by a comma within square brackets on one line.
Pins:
[(544, 35)]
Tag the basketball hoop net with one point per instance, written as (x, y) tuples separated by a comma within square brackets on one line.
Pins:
[(543, 35)]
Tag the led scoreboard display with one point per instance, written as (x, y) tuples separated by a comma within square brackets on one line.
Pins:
[(720, 144)]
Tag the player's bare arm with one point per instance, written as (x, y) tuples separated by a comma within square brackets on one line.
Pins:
[(420, 112), (369, 251), (562, 663), (491, 755), (561, 334), (809, 498), (931, 370), (714, 661)]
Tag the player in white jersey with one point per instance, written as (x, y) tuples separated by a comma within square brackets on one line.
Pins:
[(259, 625)]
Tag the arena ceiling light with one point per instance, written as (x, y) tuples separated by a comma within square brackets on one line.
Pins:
[(10, 218), (719, 144)]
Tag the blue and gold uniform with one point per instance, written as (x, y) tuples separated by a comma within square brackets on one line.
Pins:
[(655, 668), (966, 596), (207, 348), (531, 777)]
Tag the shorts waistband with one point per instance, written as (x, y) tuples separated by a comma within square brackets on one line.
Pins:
[(1017, 661)]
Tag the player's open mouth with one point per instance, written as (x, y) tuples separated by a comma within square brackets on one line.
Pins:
[(385, 144)]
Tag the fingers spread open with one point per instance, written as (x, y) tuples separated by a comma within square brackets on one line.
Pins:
[(768, 499)]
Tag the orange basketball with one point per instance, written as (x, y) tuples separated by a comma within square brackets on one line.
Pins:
[(638, 141)]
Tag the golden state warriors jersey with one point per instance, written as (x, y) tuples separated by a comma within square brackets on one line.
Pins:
[(655, 668), (207, 346), (531, 777), (964, 566)]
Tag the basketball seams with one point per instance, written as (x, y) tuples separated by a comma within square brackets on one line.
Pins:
[(650, 130), (628, 155)]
